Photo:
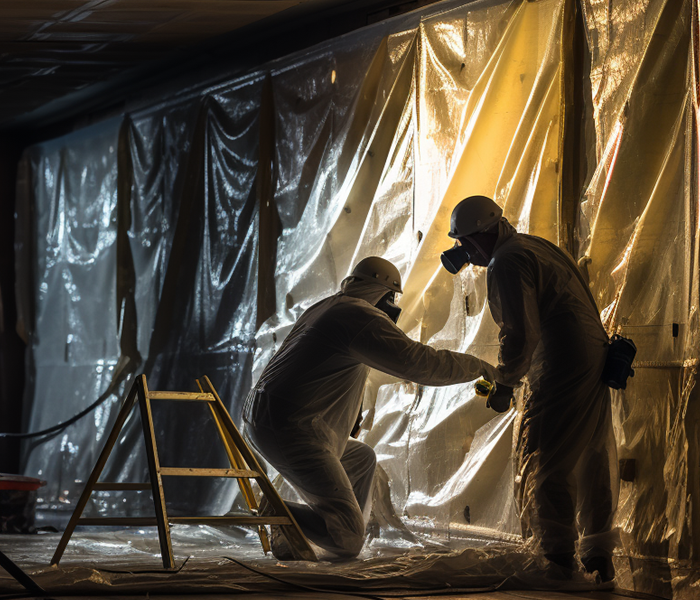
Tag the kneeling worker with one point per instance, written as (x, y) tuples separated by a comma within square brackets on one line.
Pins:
[(302, 411)]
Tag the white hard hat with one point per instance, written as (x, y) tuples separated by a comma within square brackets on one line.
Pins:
[(472, 215), (380, 270)]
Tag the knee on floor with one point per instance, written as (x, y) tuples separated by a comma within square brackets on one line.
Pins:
[(352, 545), (350, 538)]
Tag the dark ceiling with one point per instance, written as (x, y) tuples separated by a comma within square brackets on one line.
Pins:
[(59, 58), (49, 48)]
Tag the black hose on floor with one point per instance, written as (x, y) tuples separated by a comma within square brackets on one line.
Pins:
[(402, 594)]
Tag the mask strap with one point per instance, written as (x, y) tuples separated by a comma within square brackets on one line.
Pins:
[(479, 248)]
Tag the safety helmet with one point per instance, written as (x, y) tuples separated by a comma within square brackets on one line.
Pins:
[(374, 268), (472, 215)]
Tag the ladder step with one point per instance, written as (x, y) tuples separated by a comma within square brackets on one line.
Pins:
[(137, 521), (109, 486), (151, 521), (187, 396), (232, 520), (239, 473), (244, 467)]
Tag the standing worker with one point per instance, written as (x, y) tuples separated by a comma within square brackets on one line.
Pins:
[(550, 330), (301, 412)]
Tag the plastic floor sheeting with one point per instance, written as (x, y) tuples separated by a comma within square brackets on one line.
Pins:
[(513, 595), (127, 562)]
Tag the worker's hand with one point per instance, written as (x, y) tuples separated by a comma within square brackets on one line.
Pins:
[(500, 399)]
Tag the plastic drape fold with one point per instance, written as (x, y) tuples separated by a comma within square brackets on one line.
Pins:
[(638, 242), (194, 288), (73, 341), (202, 271)]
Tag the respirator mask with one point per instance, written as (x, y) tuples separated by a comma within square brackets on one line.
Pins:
[(455, 258), (386, 305)]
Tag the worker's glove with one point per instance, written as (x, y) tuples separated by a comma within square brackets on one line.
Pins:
[(500, 399)]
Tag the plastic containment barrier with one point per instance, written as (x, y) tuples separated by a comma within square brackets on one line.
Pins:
[(188, 235)]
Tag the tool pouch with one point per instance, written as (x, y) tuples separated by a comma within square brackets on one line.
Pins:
[(618, 364)]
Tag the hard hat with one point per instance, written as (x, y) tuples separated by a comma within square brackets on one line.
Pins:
[(472, 215), (374, 268)]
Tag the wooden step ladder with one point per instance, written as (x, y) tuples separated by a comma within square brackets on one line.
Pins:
[(244, 467)]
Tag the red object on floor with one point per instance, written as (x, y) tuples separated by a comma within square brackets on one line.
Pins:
[(19, 482)]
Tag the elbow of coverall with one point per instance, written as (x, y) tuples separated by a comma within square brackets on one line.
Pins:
[(506, 376), (515, 360)]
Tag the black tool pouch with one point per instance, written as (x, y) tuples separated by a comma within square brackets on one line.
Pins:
[(618, 364)]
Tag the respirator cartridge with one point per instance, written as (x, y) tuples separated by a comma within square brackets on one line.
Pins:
[(455, 258), (386, 305)]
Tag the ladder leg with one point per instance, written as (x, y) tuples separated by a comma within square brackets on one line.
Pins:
[(297, 541), (166, 548), (20, 576), (234, 457), (94, 476), (236, 461)]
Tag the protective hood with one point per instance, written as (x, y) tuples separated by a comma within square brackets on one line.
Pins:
[(364, 290), (505, 232)]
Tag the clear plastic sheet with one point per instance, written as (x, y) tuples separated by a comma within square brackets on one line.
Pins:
[(361, 123), (376, 136), (73, 337), (126, 562), (442, 131), (204, 325), (197, 267), (638, 241)]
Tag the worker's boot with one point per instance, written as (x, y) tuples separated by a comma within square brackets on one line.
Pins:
[(562, 566), (602, 564), (279, 545), (264, 508), (278, 541)]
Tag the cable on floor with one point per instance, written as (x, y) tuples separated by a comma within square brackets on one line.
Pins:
[(147, 572), (384, 596)]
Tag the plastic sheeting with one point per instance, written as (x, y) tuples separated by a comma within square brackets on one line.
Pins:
[(168, 254), (638, 241), (194, 245), (188, 266), (124, 562), (74, 347), (489, 128)]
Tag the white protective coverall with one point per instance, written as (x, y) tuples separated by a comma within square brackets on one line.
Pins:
[(301, 412), (551, 332)]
